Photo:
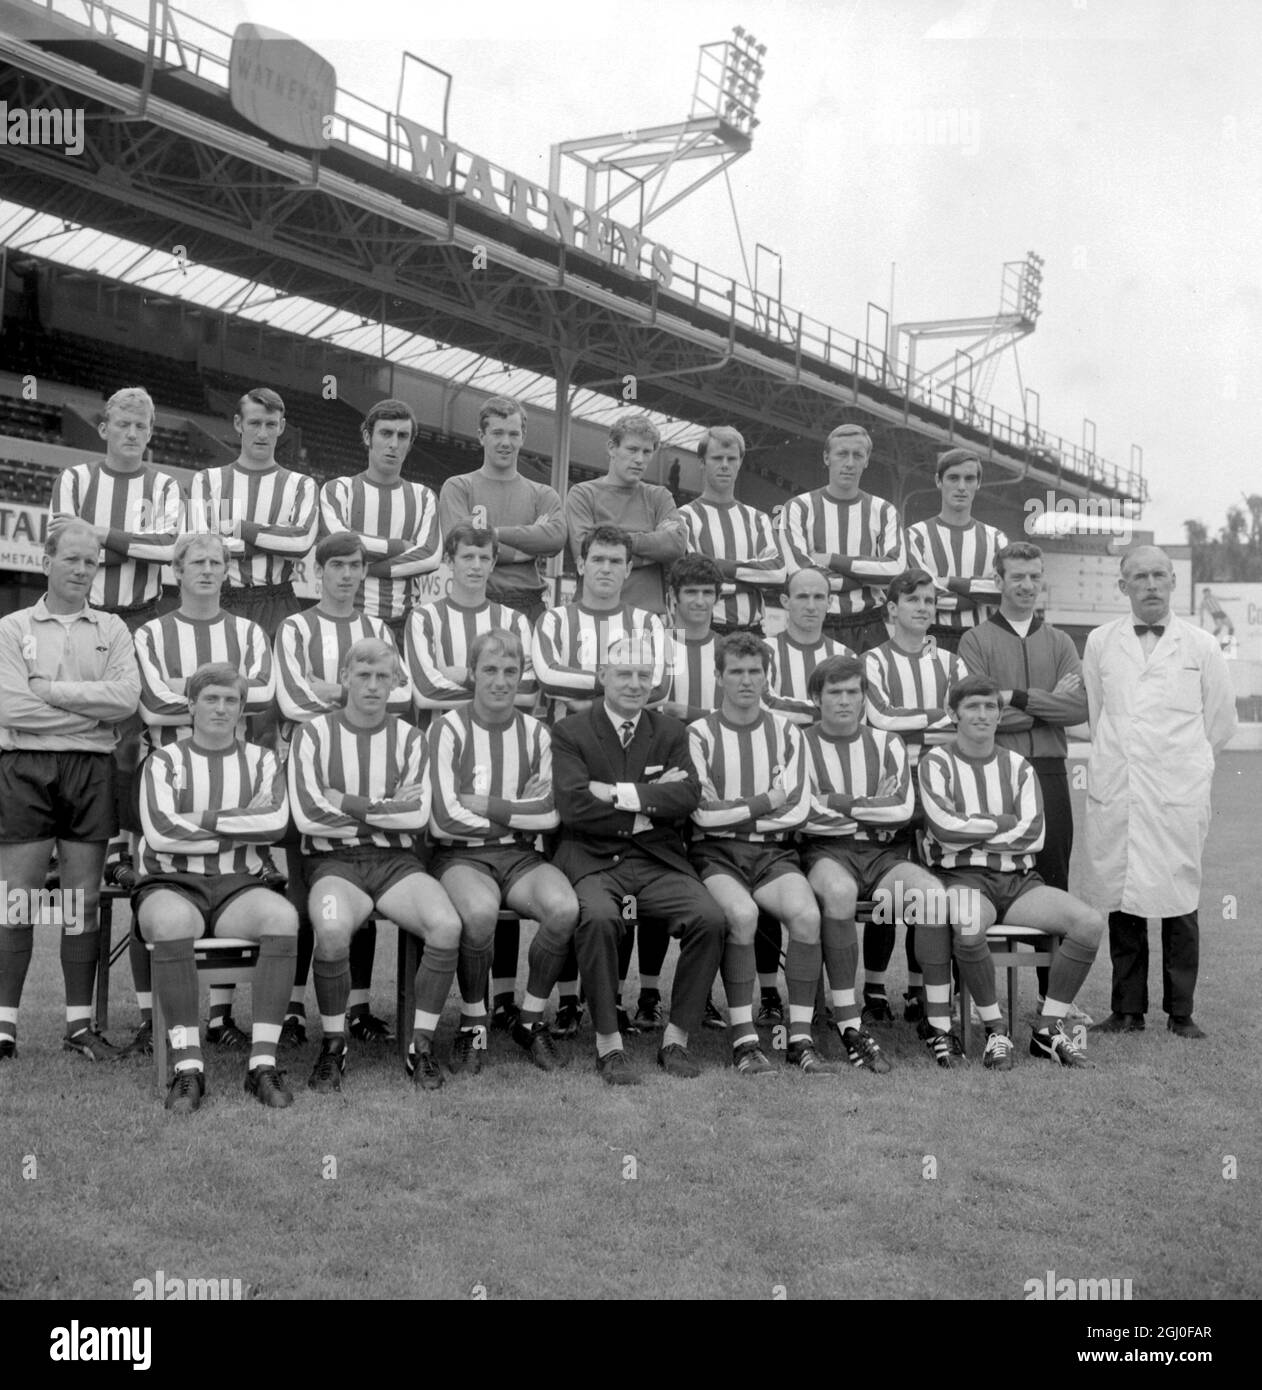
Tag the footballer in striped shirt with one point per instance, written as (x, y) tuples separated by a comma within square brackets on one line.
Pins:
[(957, 551), (857, 844), (738, 538), (800, 646), (360, 793), (311, 649), (571, 641), (755, 792), (983, 826), (209, 802), (268, 514), (491, 778), (396, 518), (857, 539), (170, 649), (440, 634), (692, 678), (135, 509), (908, 680)]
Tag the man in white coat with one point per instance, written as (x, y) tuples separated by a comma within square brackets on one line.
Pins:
[(1161, 707)]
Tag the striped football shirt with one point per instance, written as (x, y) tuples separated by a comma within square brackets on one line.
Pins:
[(174, 646), (791, 665), (962, 796), (381, 513), (440, 634), (185, 785), (571, 641), (691, 678), (738, 764), (845, 774), (908, 694), (958, 552), (496, 761), (143, 511), (312, 645), (867, 529), (743, 542), (366, 766), (282, 503)]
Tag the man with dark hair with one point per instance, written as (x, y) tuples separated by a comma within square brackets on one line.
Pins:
[(67, 681), (1040, 680), (168, 651), (361, 797), (311, 649), (395, 518), (491, 772), (957, 551), (857, 539), (267, 514), (440, 634), (209, 801), (1162, 709), (524, 517), (755, 793), (738, 538), (136, 511), (644, 511), (624, 790), (908, 680), (983, 827)]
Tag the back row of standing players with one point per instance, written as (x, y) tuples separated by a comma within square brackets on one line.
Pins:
[(833, 557)]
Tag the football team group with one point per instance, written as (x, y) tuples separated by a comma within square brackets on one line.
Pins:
[(641, 764)]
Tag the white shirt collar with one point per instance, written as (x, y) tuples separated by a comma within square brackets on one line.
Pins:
[(618, 720)]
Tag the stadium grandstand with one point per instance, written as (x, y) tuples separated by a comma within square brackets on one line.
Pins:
[(205, 239)]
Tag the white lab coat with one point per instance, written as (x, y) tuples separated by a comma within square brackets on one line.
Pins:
[(1156, 725)]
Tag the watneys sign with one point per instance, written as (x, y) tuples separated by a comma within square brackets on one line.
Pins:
[(281, 86)]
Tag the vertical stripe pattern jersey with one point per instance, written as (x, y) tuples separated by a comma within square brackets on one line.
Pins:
[(182, 782), (408, 511), (908, 694), (691, 677), (738, 764), (742, 534), (282, 502), (330, 753), (174, 646), (466, 756), (310, 645), (144, 507), (790, 673), (868, 527), (571, 641), (961, 798), (958, 552), (845, 774), (440, 634)]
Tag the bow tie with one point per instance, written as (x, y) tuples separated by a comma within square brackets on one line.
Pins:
[(1155, 628)]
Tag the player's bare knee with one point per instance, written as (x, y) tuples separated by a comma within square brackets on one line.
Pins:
[(332, 940), (1087, 927), (478, 930), (278, 918), (742, 925), (804, 927)]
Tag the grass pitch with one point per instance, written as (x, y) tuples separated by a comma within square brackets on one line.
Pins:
[(921, 1184)]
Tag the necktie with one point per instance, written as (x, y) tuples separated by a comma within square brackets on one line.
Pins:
[(627, 731), (1155, 628)]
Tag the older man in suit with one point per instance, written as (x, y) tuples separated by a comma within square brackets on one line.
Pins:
[(625, 787)]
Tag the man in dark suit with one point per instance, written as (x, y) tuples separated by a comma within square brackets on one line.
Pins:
[(624, 787)]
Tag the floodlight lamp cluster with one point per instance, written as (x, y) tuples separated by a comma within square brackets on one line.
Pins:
[(1031, 285), (742, 74)]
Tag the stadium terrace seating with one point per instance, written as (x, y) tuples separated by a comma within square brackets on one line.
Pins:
[(29, 483), (29, 420)]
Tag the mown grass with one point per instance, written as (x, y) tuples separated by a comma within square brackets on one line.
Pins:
[(517, 1181)]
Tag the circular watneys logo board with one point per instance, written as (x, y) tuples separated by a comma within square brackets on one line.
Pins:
[(281, 86)]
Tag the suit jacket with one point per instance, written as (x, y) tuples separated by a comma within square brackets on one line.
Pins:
[(594, 835)]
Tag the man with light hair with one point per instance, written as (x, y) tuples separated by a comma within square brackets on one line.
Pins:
[(645, 511), (1162, 708), (854, 537), (67, 682)]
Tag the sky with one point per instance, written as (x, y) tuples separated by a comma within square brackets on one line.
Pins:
[(1119, 139)]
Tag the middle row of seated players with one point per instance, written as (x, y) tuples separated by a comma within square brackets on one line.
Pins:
[(363, 785)]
